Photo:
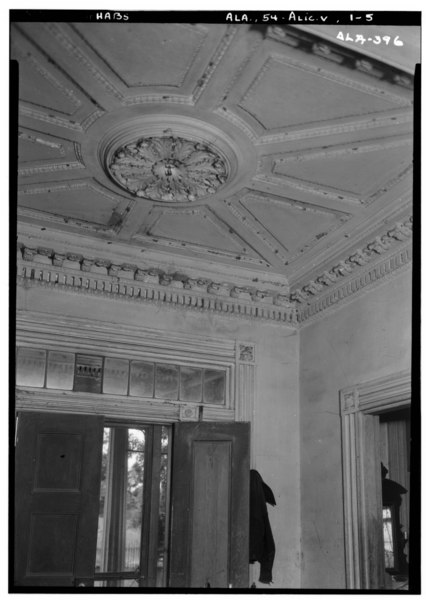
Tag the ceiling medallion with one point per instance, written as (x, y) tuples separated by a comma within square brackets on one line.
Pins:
[(168, 169)]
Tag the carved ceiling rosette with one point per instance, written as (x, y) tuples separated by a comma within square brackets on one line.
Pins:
[(168, 169)]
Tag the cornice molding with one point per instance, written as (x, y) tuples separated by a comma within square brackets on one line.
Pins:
[(363, 268), (400, 232), (353, 287), (351, 59), (79, 274)]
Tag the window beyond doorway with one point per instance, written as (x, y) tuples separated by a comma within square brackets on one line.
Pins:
[(133, 514)]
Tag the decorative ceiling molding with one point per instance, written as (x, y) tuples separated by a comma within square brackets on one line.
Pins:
[(337, 78), (49, 168), (327, 287), (168, 168), (37, 139), (35, 64), (354, 287), (158, 99), (74, 50), (224, 112), (343, 150), (351, 59), (356, 148), (251, 223), (40, 115), (303, 186), (246, 216), (214, 62), (76, 273), (308, 132), (198, 29), (151, 236), (30, 214), (365, 267)]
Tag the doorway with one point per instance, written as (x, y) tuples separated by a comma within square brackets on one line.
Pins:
[(132, 540), (96, 503)]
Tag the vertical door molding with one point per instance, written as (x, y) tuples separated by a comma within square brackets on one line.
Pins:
[(360, 407), (245, 386)]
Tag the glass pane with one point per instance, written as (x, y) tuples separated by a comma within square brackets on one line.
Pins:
[(141, 379), (134, 498), (60, 370), (214, 387), (162, 510), (116, 376), (88, 373), (166, 382), (30, 367), (388, 538), (101, 559), (190, 384)]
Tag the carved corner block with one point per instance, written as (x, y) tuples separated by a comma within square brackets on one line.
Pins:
[(246, 353), (189, 413), (349, 401)]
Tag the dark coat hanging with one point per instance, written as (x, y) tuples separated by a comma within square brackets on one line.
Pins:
[(262, 545)]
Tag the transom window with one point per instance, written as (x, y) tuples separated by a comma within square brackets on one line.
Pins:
[(60, 370)]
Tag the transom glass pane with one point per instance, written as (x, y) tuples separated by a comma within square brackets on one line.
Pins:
[(60, 370), (190, 384), (30, 367), (214, 386), (141, 379), (166, 381)]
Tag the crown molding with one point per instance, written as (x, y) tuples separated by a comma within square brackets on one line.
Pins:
[(352, 288), (364, 267), (75, 273), (311, 43)]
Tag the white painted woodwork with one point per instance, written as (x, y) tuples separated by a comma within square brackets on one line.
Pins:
[(360, 407)]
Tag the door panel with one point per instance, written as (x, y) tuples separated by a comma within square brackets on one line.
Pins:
[(210, 505), (57, 471)]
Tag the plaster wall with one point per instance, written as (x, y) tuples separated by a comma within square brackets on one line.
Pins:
[(364, 340), (275, 427)]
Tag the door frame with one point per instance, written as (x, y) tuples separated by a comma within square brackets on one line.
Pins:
[(360, 407)]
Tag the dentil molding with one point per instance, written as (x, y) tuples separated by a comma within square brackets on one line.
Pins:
[(366, 266)]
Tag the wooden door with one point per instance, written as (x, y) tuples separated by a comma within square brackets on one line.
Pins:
[(57, 475), (210, 505)]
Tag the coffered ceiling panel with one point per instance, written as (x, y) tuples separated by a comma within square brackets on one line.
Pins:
[(42, 84), (285, 95), (196, 227), (359, 170), (153, 55), (252, 149), (38, 147), (295, 226), (80, 200)]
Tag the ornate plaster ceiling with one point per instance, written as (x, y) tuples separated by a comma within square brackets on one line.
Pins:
[(265, 151)]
